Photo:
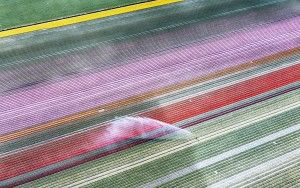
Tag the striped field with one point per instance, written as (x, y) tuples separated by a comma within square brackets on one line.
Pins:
[(221, 110)]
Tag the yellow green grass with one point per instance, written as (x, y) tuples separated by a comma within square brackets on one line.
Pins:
[(15, 13)]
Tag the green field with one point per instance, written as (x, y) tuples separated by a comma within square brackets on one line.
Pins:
[(15, 13)]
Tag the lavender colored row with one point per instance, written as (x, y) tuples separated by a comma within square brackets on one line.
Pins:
[(47, 102)]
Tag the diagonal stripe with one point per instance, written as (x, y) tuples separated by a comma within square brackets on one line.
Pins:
[(222, 156), (64, 148), (173, 150), (85, 18), (136, 99), (252, 173)]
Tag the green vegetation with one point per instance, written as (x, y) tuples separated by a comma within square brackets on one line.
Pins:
[(14, 13)]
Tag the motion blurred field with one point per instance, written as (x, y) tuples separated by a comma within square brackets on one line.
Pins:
[(111, 34), (226, 71)]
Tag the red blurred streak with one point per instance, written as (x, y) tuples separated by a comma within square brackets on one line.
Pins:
[(50, 153), (225, 96)]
